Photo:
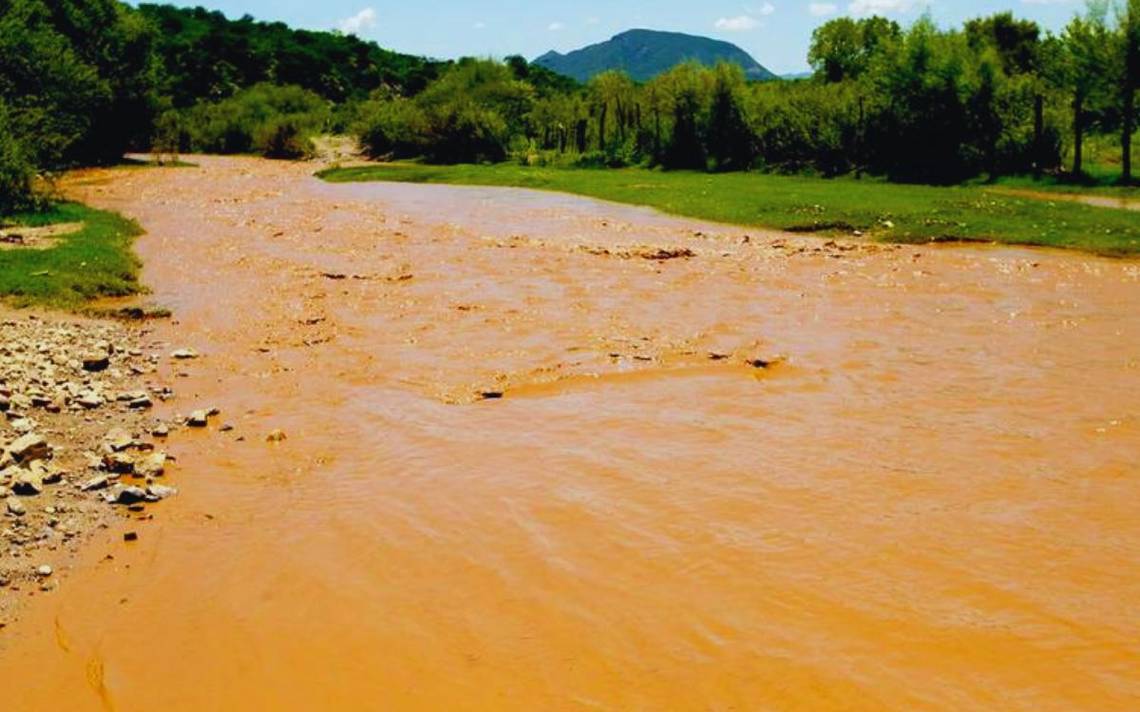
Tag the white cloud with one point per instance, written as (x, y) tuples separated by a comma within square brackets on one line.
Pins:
[(741, 23), (879, 7), (363, 20), (480, 25), (556, 26), (823, 9)]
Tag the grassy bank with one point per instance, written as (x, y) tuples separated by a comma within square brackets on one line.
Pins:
[(885, 211), (95, 261)]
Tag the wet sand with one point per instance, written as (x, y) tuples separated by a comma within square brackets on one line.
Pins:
[(926, 500)]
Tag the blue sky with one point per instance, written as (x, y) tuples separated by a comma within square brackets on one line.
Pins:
[(776, 32)]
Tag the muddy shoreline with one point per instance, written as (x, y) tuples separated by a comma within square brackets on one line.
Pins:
[(85, 415), (729, 468)]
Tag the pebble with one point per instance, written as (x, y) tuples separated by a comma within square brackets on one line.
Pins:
[(15, 506)]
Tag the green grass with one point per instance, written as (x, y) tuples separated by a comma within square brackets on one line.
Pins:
[(94, 262), (884, 211), (1100, 175)]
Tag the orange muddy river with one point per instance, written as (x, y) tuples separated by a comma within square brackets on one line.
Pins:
[(929, 498)]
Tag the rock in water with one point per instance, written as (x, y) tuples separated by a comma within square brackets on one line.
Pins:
[(153, 465), (120, 494), (184, 354), (160, 492), (198, 419), (276, 436)]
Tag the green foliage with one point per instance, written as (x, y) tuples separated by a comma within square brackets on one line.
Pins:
[(16, 170), (884, 211), (277, 122), (209, 57), (94, 262), (78, 78), (807, 126), (845, 49), (469, 115)]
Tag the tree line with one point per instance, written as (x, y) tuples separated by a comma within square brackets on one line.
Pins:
[(924, 104), (82, 81)]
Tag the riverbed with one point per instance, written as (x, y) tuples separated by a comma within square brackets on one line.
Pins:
[(544, 452)]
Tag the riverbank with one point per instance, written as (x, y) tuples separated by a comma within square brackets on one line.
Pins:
[(66, 256), (81, 449), (843, 207)]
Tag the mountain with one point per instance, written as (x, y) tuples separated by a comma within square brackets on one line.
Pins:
[(644, 54)]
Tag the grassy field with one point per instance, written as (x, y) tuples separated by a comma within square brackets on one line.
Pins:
[(94, 262), (884, 211)]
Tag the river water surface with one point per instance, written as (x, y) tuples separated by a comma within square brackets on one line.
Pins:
[(928, 499)]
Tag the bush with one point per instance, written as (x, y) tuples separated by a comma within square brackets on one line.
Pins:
[(283, 138), (391, 129), (16, 171), (277, 122)]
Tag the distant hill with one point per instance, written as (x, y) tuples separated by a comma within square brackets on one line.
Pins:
[(643, 54)]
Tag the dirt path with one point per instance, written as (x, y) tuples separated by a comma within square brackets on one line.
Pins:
[(730, 470)]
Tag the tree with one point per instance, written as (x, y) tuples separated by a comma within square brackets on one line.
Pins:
[(1130, 64), (730, 142), (1087, 52), (844, 48), (611, 90)]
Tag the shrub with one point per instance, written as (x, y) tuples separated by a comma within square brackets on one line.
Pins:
[(16, 170), (275, 121)]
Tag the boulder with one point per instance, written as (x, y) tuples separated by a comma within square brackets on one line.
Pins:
[(29, 447), (96, 362), (15, 506), (28, 484), (153, 465), (89, 400), (157, 493), (120, 494), (96, 483), (119, 463), (118, 440)]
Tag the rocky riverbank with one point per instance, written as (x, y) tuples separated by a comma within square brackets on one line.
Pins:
[(80, 444)]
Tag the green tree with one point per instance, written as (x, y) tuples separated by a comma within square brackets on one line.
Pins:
[(1129, 50), (1087, 51), (731, 144), (844, 48)]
